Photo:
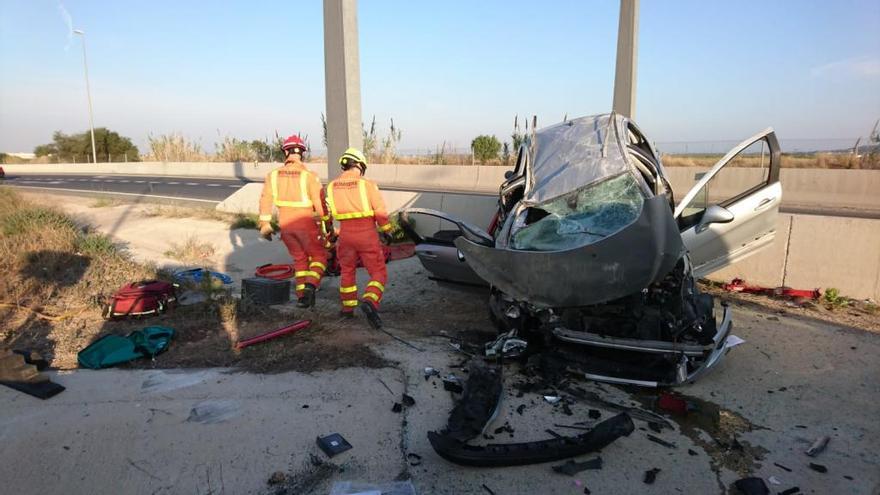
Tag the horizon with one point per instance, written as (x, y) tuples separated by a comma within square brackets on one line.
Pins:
[(443, 75)]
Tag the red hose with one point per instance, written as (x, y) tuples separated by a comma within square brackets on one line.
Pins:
[(295, 327), (275, 272)]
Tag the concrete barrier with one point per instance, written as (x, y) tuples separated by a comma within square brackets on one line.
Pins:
[(849, 189), (809, 251)]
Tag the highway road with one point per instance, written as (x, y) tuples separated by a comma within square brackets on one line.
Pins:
[(214, 190)]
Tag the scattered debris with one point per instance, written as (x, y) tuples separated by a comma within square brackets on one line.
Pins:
[(111, 350), (791, 491), (780, 466), (397, 407), (751, 486), (818, 468), (407, 400), (21, 371), (552, 399), (292, 328), (650, 476), (573, 427), (571, 467), (594, 414), (452, 383), (377, 325), (414, 459), (660, 441), (818, 446), (774, 480), (517, 454), (593, 399), (552, 433), (488, 490), (739, 285), (429, 372), (360, 488), (520, 409), (504, 428), (277, 478), (333, 444), (478, 404), (692, 452)]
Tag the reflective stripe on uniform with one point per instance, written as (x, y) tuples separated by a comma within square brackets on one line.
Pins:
[(305, 202), (350, 303), (300, 286), (371, 295), (386, 228), (318, 264), (377, 285), (308, 273), (365, 203), (347, 290), (265, 218)]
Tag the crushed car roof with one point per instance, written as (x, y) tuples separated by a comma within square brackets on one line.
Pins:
[(572, 155)]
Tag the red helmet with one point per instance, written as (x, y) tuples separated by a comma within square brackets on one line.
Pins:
[(294, 144)]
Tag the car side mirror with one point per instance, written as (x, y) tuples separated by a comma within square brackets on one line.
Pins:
[(714, 214), (508, 174)]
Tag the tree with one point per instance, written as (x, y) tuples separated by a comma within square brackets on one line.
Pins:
[(485, 148), (109, 145)]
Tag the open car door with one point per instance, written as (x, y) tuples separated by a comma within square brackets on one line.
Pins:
[(722, 222)]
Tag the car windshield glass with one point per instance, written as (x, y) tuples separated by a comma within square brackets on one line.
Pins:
[(584, 216)]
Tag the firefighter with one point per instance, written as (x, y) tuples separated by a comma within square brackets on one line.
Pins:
[(302, 218), (358, 206)]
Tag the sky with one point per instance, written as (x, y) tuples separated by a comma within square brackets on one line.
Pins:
[(444, 71)]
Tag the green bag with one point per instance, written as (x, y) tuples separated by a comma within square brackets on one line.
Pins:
[(111, 350)]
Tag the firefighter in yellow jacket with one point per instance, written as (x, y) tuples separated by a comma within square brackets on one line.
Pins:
[(302, 219), (355, 202)]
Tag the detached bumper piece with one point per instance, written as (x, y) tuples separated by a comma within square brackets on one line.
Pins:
[(519, 454)]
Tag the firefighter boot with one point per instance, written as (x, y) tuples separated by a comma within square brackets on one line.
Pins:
[(371, 314), (308, 298)]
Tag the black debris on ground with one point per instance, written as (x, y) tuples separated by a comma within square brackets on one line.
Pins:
[(397, 407), (595, 414), (660, 441), (818, 468), (791, 491), (452, 383), (478, 403), (650, 476), (751, 486), (520, 409), (487, 489), (407, 400), (414, 459), (655, 427), (553, 433), (692, 452), (571, 467), (780, 466), (505, 428), (333, 444)]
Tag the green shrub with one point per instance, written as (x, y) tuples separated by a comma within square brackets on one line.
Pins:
[(485, 148)]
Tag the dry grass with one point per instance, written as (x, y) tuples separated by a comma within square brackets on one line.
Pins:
[(191, 251), (105, 202), (817, 160)]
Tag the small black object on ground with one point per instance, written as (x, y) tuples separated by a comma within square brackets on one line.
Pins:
[(594, 414), (818, 468), (265, 290), (397, 407), (791, 491), (751, 486), (333, 444), (407, 400), (780, 466), (414, 459), (650, 476), (452, 383), (660, 441), (571, 467)]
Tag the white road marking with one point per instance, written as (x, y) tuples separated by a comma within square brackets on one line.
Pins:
[(109, 181), (124, 181), (171, 183), (213, 185), (236, 187), (139, 181), (192, 184)]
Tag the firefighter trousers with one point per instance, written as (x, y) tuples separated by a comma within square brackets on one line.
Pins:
[(309, 256), (360, 242)]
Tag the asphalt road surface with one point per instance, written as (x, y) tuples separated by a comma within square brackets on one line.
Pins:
[(214, 190)]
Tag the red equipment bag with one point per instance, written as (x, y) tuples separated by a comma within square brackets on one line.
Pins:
[(145, 298)]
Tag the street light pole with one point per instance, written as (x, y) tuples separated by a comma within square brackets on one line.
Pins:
[(88, 94)]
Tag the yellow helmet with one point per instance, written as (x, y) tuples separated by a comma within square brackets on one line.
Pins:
[(353, 157)]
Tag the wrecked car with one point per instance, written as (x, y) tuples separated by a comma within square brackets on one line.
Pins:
[(591, 251)]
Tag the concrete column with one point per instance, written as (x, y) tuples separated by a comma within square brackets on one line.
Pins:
[(342, 80), (627, 59)]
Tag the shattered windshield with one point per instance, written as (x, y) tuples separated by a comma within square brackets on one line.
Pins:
[(583, 217)]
